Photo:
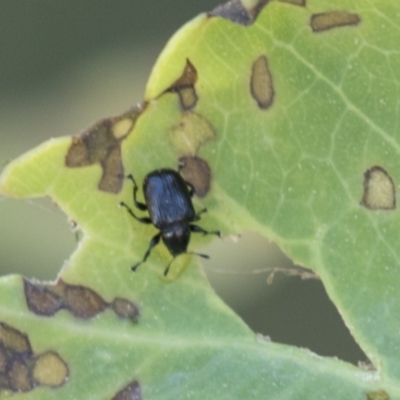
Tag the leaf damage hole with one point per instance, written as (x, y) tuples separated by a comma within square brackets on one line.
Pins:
[(101, 144), (379, 190), (234, 11), (21, 370), (333, 19), (129, 392), (82, 302), (293, 310), (197, 172), (261, 86), (184, 87), (378, 395)]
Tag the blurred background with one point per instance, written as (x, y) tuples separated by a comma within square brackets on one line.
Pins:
[(65, 65)]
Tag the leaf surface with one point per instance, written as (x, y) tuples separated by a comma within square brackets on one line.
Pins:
[(294, 111)]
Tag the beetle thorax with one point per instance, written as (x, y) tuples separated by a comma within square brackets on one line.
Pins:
[(176, 237)]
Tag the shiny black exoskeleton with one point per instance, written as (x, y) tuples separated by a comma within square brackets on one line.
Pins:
[(169, 203)]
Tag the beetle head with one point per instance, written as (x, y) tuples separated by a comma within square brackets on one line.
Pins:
[(176, 238)]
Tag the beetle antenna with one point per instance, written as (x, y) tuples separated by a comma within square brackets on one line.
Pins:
[(206, 256)]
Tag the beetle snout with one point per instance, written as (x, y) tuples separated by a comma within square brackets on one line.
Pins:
[(176, 238)]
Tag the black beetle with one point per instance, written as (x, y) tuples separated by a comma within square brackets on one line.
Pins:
[(169, 203)]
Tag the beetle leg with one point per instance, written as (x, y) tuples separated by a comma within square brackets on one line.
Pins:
[(198, 229), (139, 205), (143, 220), (153, 242), (197, 216)]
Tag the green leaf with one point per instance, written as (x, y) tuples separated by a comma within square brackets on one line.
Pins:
[(293, 111)]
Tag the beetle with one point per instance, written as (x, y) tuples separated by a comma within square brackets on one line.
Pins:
[(168, 200)]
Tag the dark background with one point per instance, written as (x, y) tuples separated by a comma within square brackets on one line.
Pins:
[(66, 64)]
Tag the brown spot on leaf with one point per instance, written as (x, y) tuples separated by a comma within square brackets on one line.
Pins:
[(125, 308), (15, 350), (188, 98), (21, 370), (234, 11), (261, 86), (378, 395), (301, 3), (50, 370), (18, 376), (379, 190), (191, 132), (129, 392), (14, 340), (92, 146), (41, 300), (184, 87), (4, 383), (197, 172), (101, 144), (80, 301), (3, 359), (83, 302), (113, 170), (333, 19)]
